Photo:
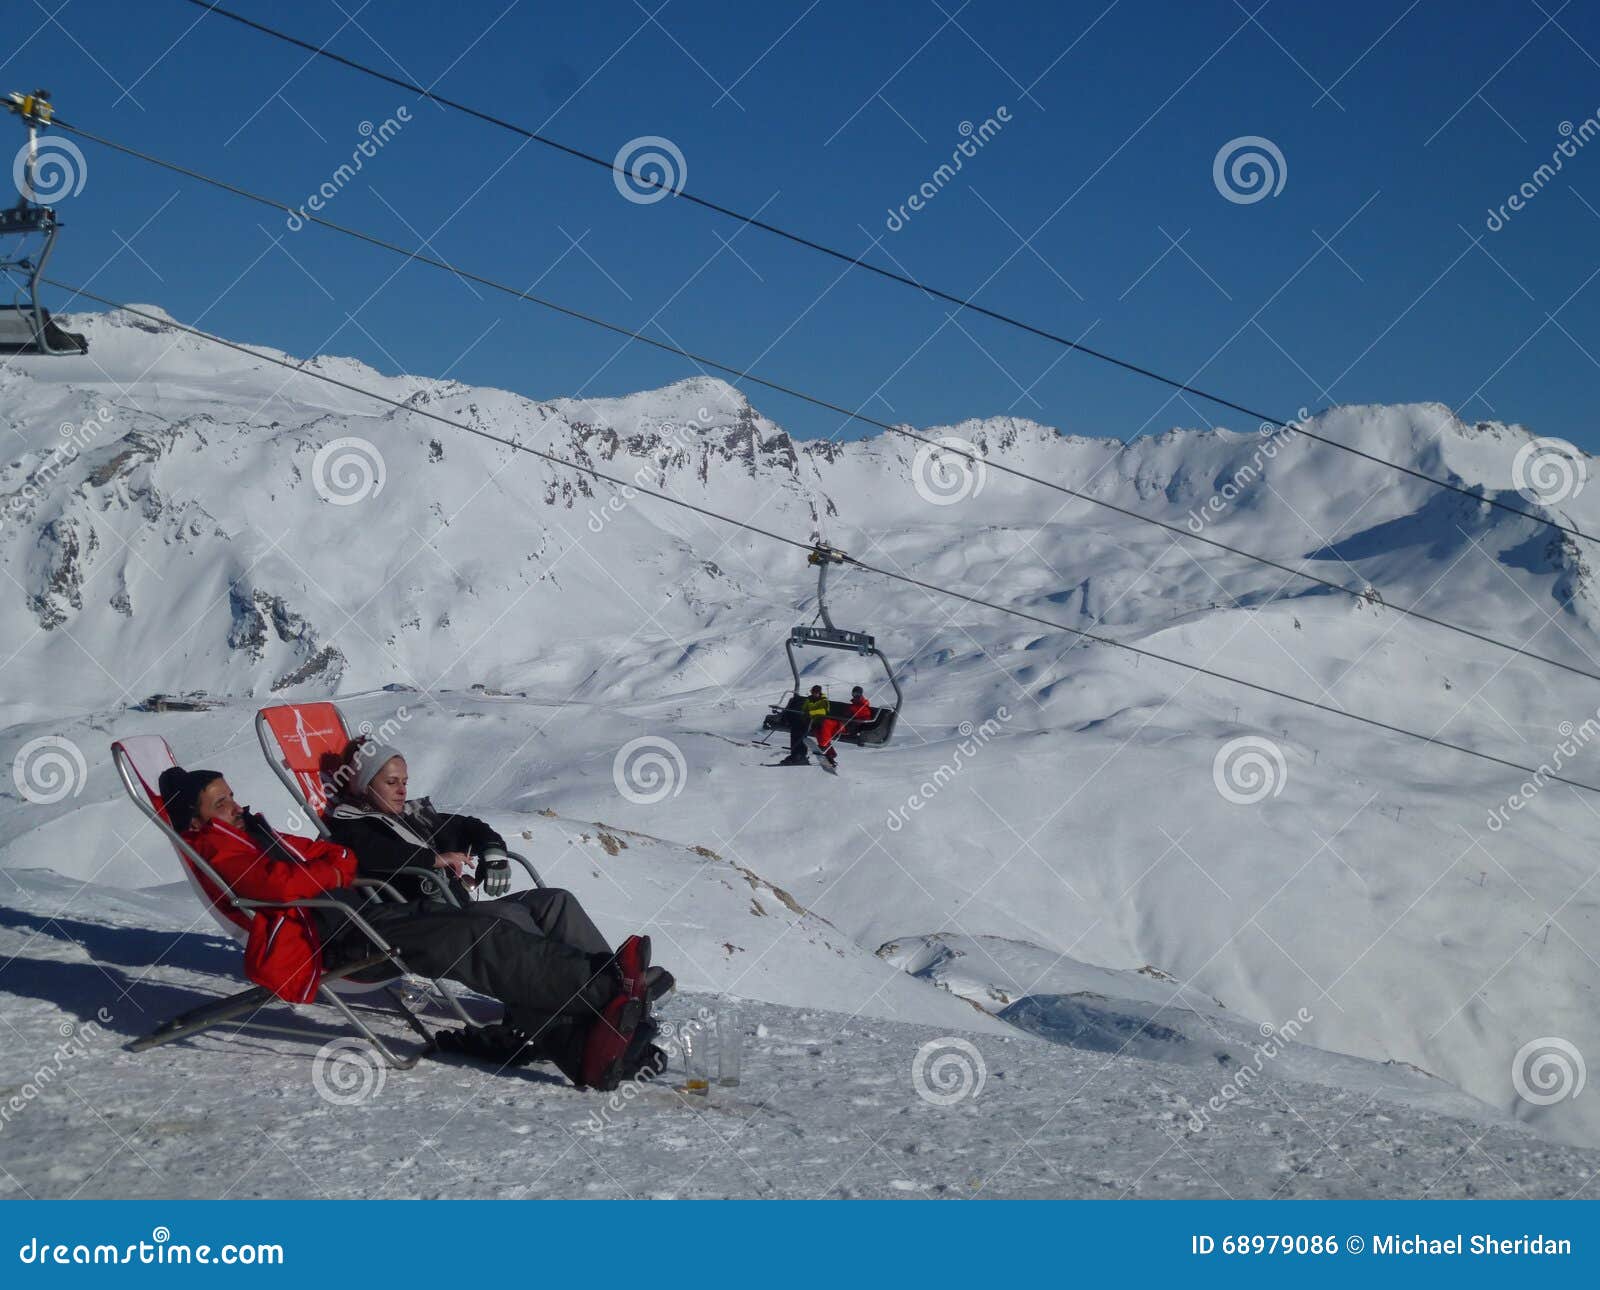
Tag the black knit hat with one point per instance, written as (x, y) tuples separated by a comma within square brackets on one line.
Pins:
[(180, 792)]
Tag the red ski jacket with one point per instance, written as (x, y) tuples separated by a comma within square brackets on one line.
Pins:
[(860, 710), (283, 952)]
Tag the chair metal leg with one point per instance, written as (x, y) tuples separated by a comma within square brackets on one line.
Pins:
[(453, 1003), (412, 1020), (204, 1017), (218, 1012), (383, 1050)]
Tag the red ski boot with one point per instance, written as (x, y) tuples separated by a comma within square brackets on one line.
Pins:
[(609, 1036)]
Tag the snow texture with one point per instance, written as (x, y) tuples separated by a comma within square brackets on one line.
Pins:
[(1050, 862)]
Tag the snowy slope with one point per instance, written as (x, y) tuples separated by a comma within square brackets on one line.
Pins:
[(189, 543), (829, 1105)]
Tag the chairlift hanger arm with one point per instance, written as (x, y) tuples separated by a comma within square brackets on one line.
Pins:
[(36, 112), (825, 557)]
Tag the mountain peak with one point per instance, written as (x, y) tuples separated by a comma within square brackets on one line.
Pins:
[(697, 402), (106, 322)]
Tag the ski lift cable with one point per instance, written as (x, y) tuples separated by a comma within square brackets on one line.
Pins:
[(811, 547), (859, 261), (745, 374)]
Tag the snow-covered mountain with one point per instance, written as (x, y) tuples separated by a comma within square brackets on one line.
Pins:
[(170, 501), (178, 517)]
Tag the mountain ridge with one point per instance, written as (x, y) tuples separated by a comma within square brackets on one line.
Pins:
[(699, 438)]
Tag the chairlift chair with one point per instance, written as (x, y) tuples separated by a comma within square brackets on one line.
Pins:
[(26, 326), (880, 728)]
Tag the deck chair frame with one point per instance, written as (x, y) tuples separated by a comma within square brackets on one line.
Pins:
[(246, 1003), (272, 750)]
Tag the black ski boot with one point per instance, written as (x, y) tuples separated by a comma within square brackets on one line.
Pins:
[(659, 983), (498, 1044)]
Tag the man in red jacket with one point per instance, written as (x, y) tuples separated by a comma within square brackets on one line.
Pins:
[(579, 1010), (860, 710)]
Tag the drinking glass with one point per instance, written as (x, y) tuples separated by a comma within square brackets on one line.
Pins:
[(729, 1037), (697, 1058)]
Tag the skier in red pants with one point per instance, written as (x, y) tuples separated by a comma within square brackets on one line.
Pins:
[(824, 725)]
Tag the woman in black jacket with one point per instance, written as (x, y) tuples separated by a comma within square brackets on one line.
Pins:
[(390, 832)]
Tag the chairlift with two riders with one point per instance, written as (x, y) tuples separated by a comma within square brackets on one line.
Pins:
[(880, 728)]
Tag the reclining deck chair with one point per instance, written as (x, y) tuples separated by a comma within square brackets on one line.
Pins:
[(304, 743), (139, 761)]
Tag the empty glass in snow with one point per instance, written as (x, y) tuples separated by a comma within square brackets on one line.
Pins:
[(712, 1049), (728, 1037)]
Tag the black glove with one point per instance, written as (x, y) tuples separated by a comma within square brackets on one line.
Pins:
[(494, 873)]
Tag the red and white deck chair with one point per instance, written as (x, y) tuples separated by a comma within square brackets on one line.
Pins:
[(304, 743), (139, 761)]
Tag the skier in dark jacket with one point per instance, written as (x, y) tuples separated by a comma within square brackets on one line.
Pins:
[(793, 718), (390, 833)]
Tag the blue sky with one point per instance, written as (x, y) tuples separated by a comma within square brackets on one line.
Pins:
[(1093, 211)]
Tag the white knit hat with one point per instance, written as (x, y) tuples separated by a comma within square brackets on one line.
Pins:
[(368, 760)]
